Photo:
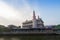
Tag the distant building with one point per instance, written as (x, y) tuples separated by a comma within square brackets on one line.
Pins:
[(34, 23)]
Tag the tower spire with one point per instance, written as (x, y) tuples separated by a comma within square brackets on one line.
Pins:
[(34, 20), (38, 17), (34, 17)]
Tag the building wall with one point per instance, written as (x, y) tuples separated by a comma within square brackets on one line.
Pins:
[(29, 24)]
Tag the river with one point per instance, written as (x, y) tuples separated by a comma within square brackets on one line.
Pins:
[(39, 37)]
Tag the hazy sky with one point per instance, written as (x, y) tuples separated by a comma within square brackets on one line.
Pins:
[(17, 11)]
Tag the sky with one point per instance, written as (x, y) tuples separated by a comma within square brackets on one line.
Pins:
[(17, 11)]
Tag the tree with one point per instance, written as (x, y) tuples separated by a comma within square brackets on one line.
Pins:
[(57, 26), (12, 26), (1, 28)]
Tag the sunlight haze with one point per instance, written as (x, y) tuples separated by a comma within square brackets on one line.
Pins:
[(17, 11)]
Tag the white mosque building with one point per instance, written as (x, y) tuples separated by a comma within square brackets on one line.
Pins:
[(34, 23), (34, 26)]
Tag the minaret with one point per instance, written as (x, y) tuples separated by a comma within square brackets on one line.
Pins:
[(34, 20), (38, 18), (34, 17)]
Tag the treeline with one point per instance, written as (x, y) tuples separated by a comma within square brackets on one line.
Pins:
[(8, 28), (57, 26)]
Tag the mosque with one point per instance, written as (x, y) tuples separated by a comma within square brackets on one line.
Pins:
[(34, 26), (34, 23), (31, 26)]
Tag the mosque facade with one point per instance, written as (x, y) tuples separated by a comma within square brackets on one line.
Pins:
[(34, 23)]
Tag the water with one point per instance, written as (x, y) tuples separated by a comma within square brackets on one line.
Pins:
[(9, 38), (40, 37)]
